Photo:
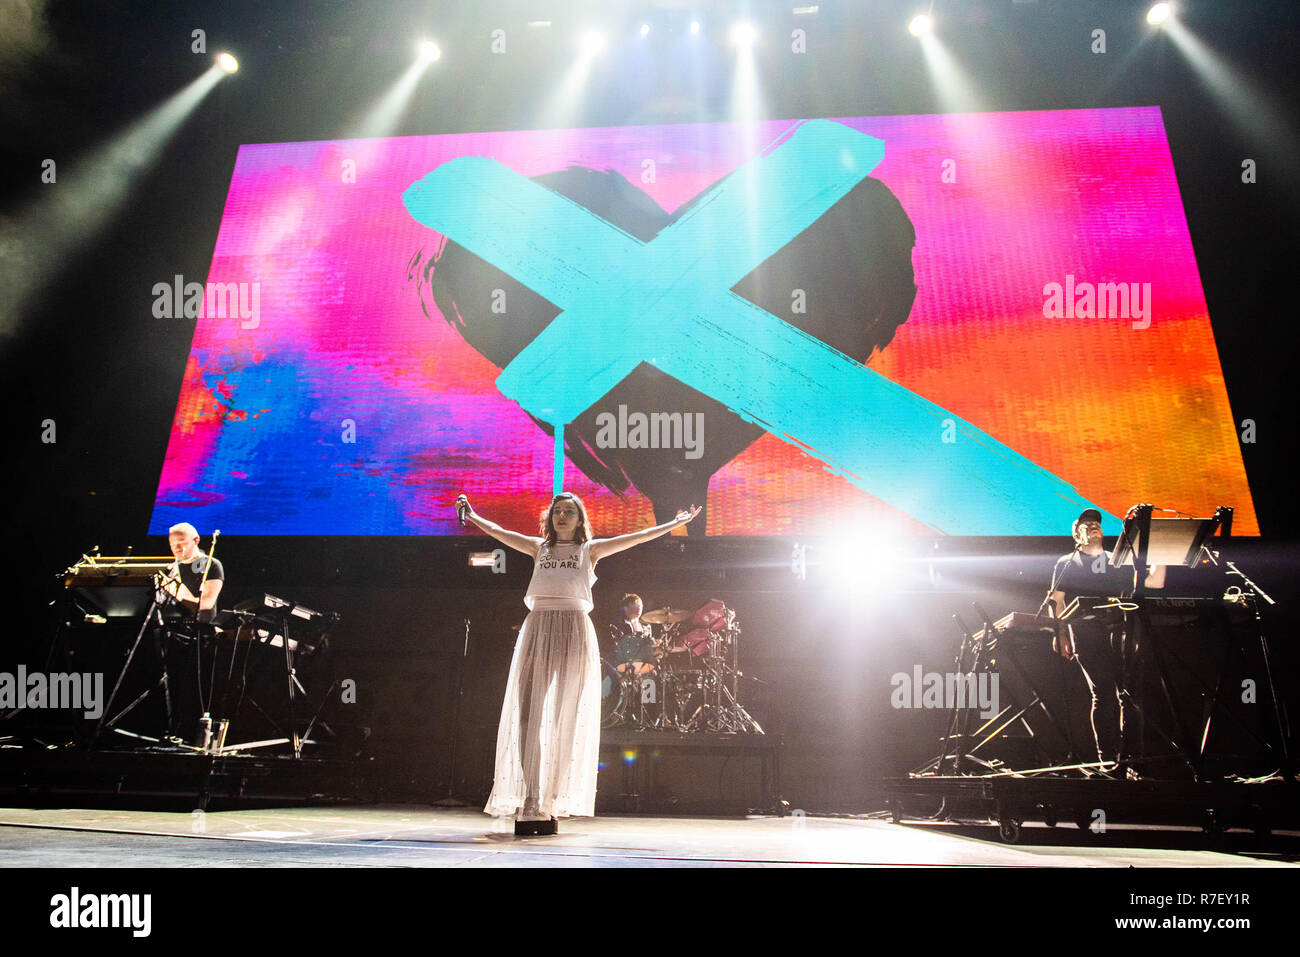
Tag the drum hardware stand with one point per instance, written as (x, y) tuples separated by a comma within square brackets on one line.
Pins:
[(638, 701), (619, 715), (734, 716), (631, 707), (739, 714), (670, 716), (741, 718), (713, 714), (706, 717)]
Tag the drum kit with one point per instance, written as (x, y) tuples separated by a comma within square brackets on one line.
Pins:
[(679, 676)]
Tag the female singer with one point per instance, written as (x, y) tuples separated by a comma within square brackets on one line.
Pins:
[(549, 736)]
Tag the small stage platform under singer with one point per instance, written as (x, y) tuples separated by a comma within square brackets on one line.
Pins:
[(678, 772)]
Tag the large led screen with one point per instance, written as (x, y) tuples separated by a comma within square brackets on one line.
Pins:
[(964, 324)]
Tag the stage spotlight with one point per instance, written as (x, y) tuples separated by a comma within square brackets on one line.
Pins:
[(1245, 104), (645, 29), (385, 114), (956, 90), (227, 63), (744, 34), (1159, 13), (695, 26), (564, 104), (920, 25), (858, 573)]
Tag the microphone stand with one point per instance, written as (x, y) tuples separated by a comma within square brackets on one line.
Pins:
[(1279, 705), (451, 800), (205, 722)]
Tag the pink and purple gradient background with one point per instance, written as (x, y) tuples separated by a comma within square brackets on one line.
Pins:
[(1122, 414)]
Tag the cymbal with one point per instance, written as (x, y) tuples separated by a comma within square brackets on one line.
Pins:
[(666, 615)]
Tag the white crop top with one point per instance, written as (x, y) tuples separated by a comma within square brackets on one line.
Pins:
[(562, 570)]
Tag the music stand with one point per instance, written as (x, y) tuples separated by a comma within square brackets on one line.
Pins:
[(1165, 541)]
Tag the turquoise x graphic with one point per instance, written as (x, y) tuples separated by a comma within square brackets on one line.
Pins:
[(668, 302)]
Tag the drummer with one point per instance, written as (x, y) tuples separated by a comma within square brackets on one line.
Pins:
[(631, 624), (635, 651)]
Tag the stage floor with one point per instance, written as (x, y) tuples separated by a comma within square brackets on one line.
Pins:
[(422, 836)]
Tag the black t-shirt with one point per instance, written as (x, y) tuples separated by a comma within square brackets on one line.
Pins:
[(1080, 574), (191, 572)]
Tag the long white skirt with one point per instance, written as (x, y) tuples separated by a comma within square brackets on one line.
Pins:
[(548, 742)]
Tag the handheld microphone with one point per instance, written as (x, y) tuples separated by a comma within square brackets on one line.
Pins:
[(462, 510)]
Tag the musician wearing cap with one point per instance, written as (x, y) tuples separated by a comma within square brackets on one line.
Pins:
[(1105, 652), (194, 579)]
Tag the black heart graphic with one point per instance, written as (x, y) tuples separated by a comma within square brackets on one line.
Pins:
[(854, 265)]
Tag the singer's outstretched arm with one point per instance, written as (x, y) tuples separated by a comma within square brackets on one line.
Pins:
[(604, 547), (527, 544)]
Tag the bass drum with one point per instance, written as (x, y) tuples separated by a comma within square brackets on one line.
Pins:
[(635, 653)]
